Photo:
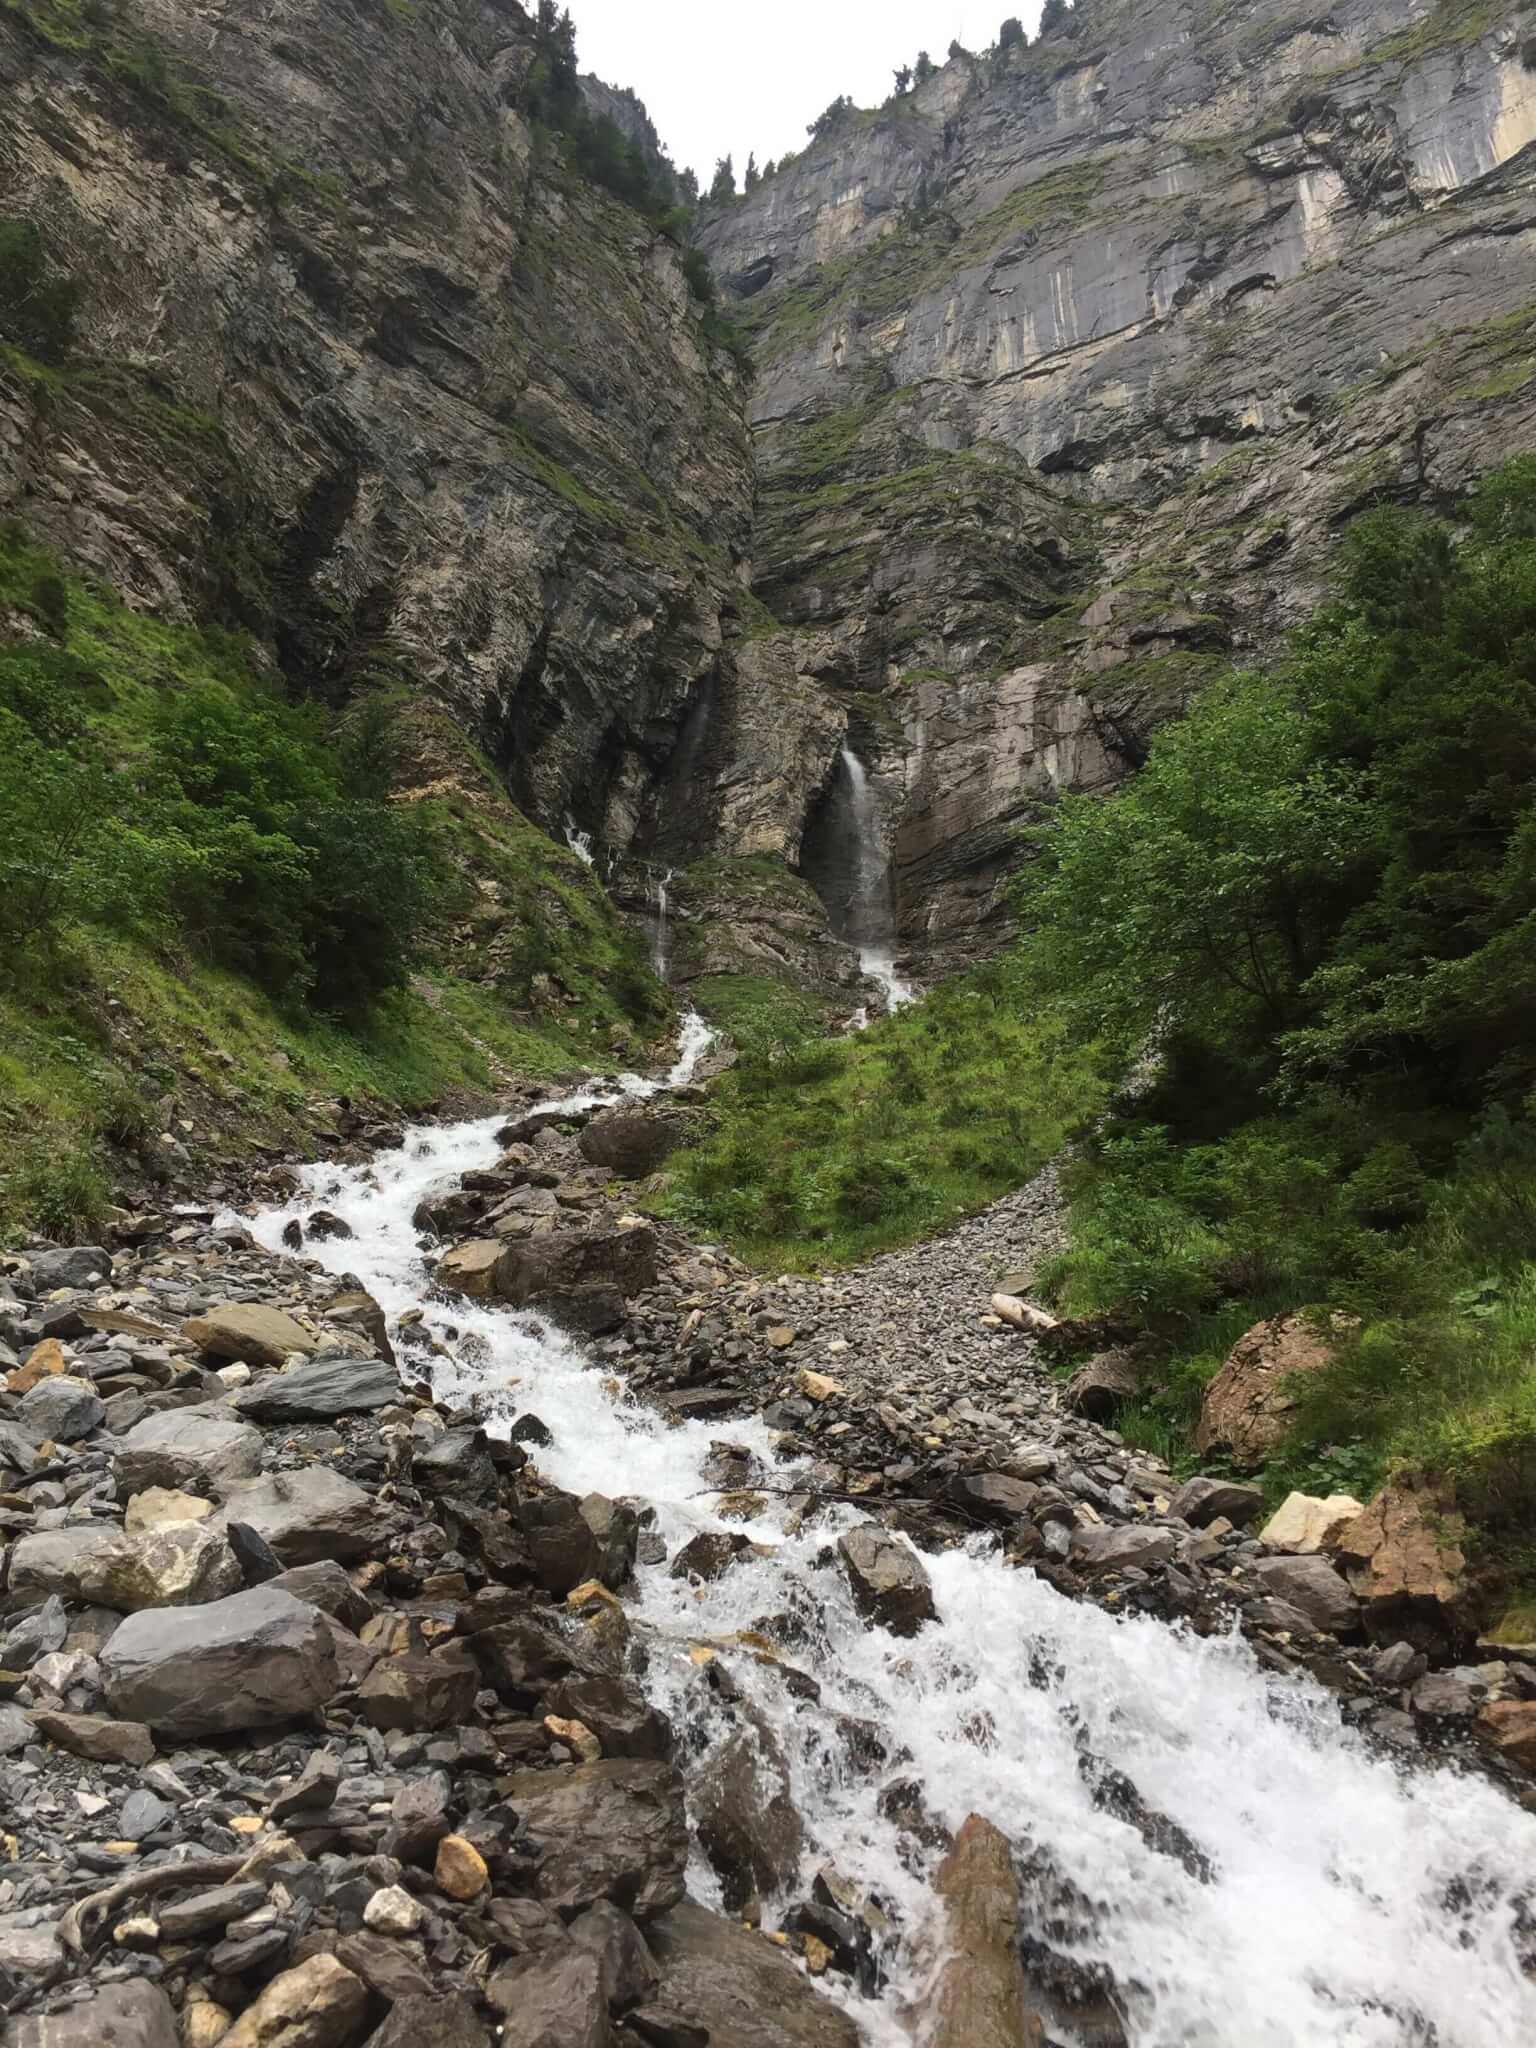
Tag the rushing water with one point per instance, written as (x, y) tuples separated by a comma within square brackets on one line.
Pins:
[(579, 842), (1354, 1904), (871, 912)]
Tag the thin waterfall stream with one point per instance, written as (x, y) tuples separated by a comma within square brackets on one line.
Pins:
[(866, 913), (1345, 1900)]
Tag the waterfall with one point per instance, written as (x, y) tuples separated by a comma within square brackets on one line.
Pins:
[(1345, 1900), (870, 915), (579, 842), (662, 901)]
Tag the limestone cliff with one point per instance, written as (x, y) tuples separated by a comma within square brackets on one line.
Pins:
[(1073, 361)]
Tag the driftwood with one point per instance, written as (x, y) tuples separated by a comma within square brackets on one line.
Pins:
[(83, 1926), (1022, 1314)]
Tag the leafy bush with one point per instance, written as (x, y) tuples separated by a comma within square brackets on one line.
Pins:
[(37, 307)]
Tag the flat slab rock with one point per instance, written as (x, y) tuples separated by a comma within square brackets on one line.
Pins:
[(319, 1390), (250, 1331), (613, 1830), (739, 1986)]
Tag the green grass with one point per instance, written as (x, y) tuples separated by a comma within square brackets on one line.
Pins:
[(830, 1150), (757, 1014)]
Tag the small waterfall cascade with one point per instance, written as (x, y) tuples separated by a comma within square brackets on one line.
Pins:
[(870, 911), (662, 901)]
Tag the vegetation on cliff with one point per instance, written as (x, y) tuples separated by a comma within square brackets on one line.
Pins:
[(211, 900)]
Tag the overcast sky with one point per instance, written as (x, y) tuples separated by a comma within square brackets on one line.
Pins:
[(726, 78)]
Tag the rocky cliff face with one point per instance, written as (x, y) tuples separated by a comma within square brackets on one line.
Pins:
[(1073, 361), (1070, 364)]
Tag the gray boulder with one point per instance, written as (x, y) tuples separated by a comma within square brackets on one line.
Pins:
[(632, 1142), (183, 1564), (310, 1514), (63, 1408), (192, 1450), (577, 1277), (1107, 1548), (326, 1586), (748, 1824), (1202, 1501), (571, 1540), (257, 1658), (554, 2000), (320, 1390), (79, 1265), (51, 1561), (134, 2015), (613, 1830), (1313, 1586), (889, 1583)]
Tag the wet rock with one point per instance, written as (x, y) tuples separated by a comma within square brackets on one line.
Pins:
[(354, 1309), (738, 1987), (1107, 1548), (617, 1713), (708, 1554), (613, 1830), (748, 1824), (575, 1276), (1405, 1559), (1203, 1501), (631, 1141), (248, 1330), (320, 1390), (554, 2000), (418, 1818), (1304, 1524), (318, 2005), (980, 2000), (420, 1692), (628, 1968), (1247, 1407), (471, 1268), (523, 1656), (1102, 1387), (95, 1737), (187, 1449), (442, 2022), (246, 1662), (134, 2015), (310, 1514), (211, 1911), (571, 1540), (459, 1461), (889, 1583), (1311, 1585)]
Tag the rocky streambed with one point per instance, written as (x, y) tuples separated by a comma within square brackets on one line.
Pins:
[(771, 1663)]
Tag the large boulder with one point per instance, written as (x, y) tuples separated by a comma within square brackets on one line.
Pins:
[(631, 1141), (182, 1565), (1248, 1405), (62, 1408), (249, 1331), (580, 1278), (310, 1514), (250, 1661), (320, 1390), (1303, 1523), (613, 1830), (554, 2000), (318, 2005), (1313, 1588), (571, 1540), (1202, 1501), (445, 2022), (53, 1561), (1510, 1726), (75, 1265), (1109, 1547), (187, 1449), (1405, 1559), (738, 1987), (980, 1998), (133, 2015), (889, 1583), (354, 1309), (471, 1268)]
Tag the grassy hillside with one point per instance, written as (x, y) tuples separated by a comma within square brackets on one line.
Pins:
[(220, 909)]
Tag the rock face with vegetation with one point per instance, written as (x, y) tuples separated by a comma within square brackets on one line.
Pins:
[(1073, 359)]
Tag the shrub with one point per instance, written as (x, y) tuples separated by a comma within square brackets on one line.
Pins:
[(37, 308)]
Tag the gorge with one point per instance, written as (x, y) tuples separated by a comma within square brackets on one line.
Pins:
[(766, 1115)]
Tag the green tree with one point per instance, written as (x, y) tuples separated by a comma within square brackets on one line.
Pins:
[(831, 117), (924, 69), (1053, 15), (751, 177), (1011, 35), (957, 50), (903, 77), (722, 187)]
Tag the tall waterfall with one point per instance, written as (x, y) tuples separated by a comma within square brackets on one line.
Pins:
[(662, 901), (870, 915)]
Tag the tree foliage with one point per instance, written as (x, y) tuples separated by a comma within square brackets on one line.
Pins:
[(37, 304), (1011, 35)]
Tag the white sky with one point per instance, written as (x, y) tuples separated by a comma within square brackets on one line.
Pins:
[(726, 78)]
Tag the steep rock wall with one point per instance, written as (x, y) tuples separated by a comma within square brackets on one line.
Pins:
[(1073, 361)]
